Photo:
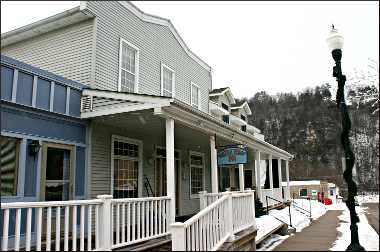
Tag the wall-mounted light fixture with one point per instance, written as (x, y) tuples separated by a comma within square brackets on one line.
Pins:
[(34, 147)]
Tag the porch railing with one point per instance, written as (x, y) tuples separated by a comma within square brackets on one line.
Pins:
[(264, 194), (286, 192), (99, 224), (56, 213), (141, 219), (216, 223), (277, 194)]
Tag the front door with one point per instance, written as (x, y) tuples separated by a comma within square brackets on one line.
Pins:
[(160, 175), (57, 173), (57, 180)]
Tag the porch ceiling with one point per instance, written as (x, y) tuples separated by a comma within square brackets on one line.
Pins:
[(130, 107)]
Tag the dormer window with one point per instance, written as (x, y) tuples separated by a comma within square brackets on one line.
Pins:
[(225, 106), (167, 81), (128, 67), (243, 117), (195, 95)]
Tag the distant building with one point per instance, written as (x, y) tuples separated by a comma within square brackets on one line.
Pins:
[(310, 188)]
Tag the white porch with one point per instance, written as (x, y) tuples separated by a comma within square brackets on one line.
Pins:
[(150, 122)]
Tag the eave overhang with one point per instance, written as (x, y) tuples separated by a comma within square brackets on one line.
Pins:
[(97, 103), (63, 19)]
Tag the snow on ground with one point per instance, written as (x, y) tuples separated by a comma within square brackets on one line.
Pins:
[(267, 223), (368, 237), (368, 198), (271, 242)]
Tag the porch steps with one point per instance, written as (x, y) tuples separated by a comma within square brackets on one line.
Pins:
[(243, 241), (158, 244)]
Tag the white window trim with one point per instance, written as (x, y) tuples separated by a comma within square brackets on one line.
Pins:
[(140, 172), (137, 60), (162, 79), (191, 95), (195, 153)]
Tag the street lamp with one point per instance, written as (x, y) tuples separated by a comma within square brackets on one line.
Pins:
[(335, 43)]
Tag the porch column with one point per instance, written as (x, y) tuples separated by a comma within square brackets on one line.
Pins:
[(287, 179), (241, 177), (170, 179), (258, 173), (270, 172), (214, 166), (279, 174)]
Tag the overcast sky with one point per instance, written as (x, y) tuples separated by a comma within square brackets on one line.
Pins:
[(253, 46)]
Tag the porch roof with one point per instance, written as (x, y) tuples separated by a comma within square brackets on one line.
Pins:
[(96, 103)]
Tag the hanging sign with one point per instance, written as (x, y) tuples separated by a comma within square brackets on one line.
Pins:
[(232, 155)]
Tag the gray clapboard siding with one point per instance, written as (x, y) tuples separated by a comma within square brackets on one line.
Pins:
[(65, 51), (156, 44), (151, 134)]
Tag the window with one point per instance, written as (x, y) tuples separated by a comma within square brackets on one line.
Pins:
[(9, 165), (225, 106), (244, 128), (196, 172), (125, 169), (167, 81), (128, 67), (303, 192), (331, 192), (243, 117), (195, 96), (226, 119)]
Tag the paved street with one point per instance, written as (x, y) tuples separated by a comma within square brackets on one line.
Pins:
[(372, 214), (319, 236)]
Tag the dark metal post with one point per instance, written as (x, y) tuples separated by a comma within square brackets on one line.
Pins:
[(266, 199), (290, 217), (349, 155), (310, 207)]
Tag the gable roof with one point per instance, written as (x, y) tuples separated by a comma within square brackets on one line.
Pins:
[(218, 91), (161, 21), (242, 105), (81, 13), (222, 91)]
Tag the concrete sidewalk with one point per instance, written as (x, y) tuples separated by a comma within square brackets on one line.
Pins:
[(319, 236)]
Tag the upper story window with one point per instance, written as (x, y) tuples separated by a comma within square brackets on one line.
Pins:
[(167, 81), (128, 67), (243, 117), (195, 95), (225, 106)]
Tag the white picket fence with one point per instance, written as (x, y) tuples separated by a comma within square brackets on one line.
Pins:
[(136, 219), (215, 223)]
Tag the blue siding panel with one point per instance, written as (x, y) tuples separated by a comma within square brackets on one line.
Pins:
[(6, 83), (75, 103), (80, 173), (39, 125), (30, 174), (43, 94), (24, 88), (59, 99)]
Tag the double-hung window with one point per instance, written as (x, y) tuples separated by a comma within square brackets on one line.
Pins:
[(128, 67), (195, 95), (167, 81), (196, 173)]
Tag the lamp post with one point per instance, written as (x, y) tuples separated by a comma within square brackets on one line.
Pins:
[(335, 43)]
